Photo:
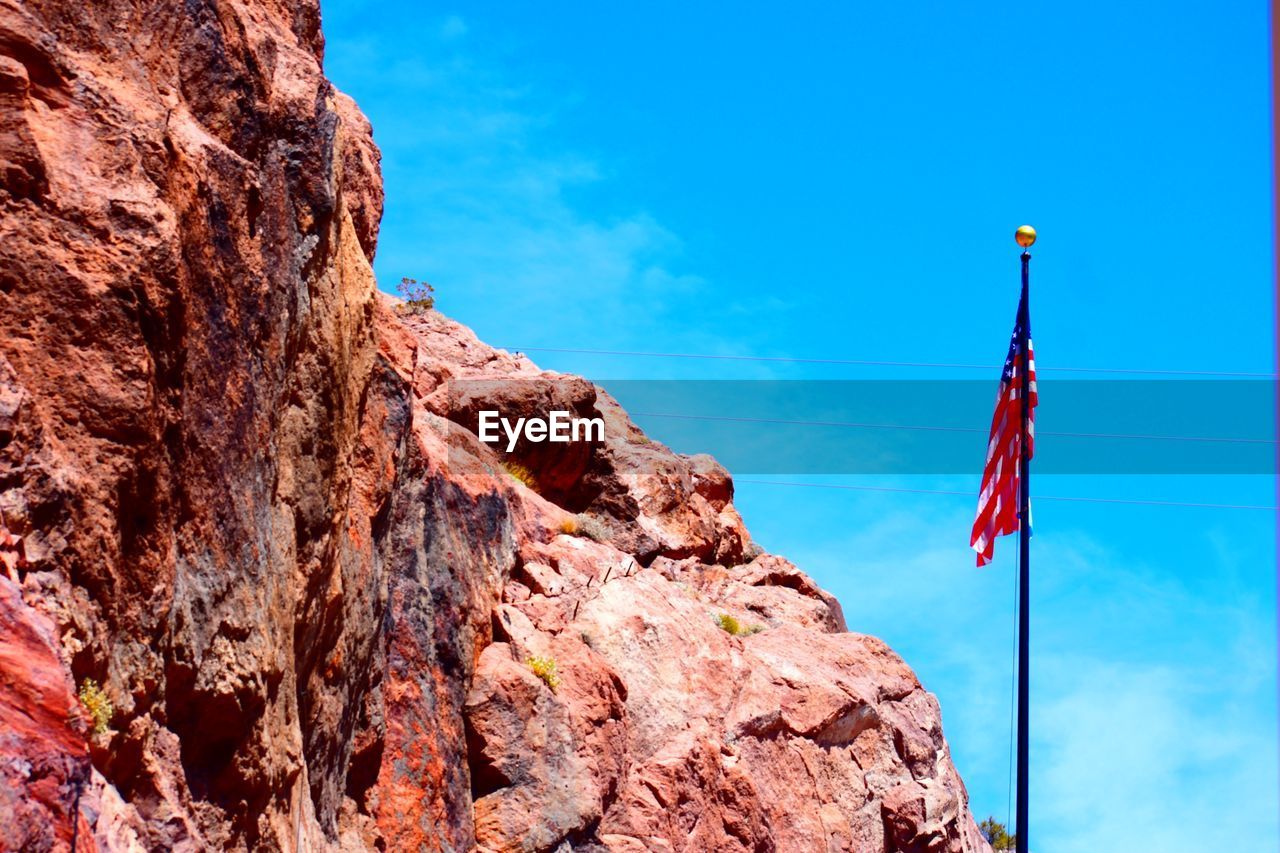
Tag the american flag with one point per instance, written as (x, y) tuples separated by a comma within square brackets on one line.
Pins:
[(998, 499)]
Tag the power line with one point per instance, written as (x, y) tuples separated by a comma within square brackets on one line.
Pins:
[(973, 494), (871, 363), (1039, 433)]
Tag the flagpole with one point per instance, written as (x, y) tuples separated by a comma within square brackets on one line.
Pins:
[(1024, 542)]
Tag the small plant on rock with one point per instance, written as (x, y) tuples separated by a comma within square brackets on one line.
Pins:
[(95, 701), (731, 625), (997, 835), (521, 474), (417, 296), (545, 668), (584, 526)]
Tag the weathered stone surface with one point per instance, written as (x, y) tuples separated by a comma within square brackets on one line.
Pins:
[(241, 490), (195, 458), (44, 759)]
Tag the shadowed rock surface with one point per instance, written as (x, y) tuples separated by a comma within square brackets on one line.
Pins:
[(241, 491)]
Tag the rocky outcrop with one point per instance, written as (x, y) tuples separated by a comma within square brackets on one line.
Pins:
[(46, 758), (244, 493)]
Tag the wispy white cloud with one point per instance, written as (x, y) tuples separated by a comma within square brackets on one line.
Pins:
[(1158, 732), (480, 203), (1152, 757)]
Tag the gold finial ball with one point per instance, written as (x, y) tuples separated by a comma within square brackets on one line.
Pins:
[(1026, 236)]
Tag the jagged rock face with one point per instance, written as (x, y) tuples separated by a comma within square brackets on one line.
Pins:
[(238, 489), (195, 449)]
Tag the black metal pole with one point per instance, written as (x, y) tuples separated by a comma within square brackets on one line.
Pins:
[(1024, 555)]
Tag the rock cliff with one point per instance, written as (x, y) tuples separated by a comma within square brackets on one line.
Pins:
[(242, 492)]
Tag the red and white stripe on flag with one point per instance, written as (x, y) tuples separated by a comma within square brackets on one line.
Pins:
[(998, 497)]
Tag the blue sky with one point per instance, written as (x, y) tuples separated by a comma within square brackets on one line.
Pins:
[(841, 181)]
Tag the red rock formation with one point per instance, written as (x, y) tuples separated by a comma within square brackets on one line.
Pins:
[(46, 760), (239, 490)]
